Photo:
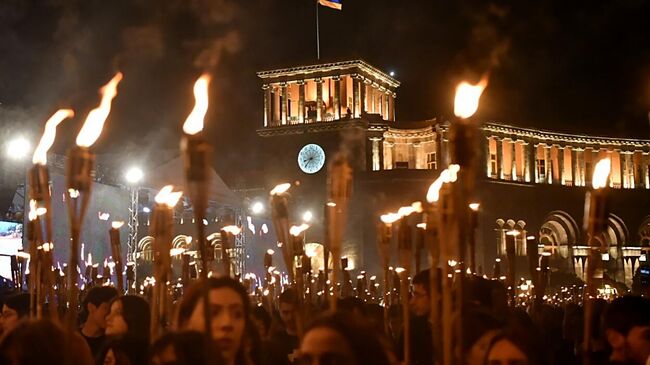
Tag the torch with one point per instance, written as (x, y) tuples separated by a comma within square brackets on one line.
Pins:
[(39, 191), (473, 223), (79, 181), (228, 234), (510, 254), (419, 245), (298, 250), (268, 263), (280, 216), (595, 224), (383, 245), (116, 249), (405, 254), (339, 184), (162, 228)]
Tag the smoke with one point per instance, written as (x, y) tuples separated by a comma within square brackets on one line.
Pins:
[(209, 57)]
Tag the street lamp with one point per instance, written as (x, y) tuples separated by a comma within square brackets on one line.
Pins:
[(18, 148)]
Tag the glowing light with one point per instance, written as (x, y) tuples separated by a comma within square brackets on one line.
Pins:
[(513, 232), (421, 225), (452, 263), (167, 196), (234, 230), (474, 206), (18, 148), (103, 216), (194, 122), (307, 216), (265, 228), (390, 218), (331, 204), (176, 251), (270, 252), (297, 230), (117, 224), (280, 189), (94, 123), (147, 210), (257, 208), (601, 173), (467, 98), (40, 153), (399, 270), (134, 175)]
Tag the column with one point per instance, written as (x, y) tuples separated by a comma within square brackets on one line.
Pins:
[(267, 104), (644, 168), (637, 160), (319, 100), (386, 97), (560, 163), (575, 174), (488, 158), (506, 171), (277, 115), (371, 98), (283, 104), (381, 152), (356, 111), (391, 113), (414, 150), (513, 162), (630, 169), (301, 101), (362, 100), (337, 97), (527, 161), (438, 149), (499, 157)]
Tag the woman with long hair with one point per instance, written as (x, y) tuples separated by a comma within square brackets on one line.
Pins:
[(230, 326), (127, 326)]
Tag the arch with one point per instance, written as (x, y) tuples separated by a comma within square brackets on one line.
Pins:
[(559, 231), (180, 241), (146, 241), (145, 249), (617, 232), (644, 232)]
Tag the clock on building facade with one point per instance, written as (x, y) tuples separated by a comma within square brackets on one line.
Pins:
[(311, 158)]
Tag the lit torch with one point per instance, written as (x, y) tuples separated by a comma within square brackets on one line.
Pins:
[(298, 250), (595, 225), (228, 234), (385, 234), (162, 228), (116, 249), (79, 180), (280, 216)]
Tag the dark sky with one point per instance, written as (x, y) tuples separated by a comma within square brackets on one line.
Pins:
[(575, 66)]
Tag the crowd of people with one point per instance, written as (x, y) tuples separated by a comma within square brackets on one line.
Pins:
[(116, 329)]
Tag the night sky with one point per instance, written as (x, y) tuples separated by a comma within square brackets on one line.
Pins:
[(573, 66)]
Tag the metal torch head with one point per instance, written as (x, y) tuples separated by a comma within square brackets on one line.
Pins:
[(81, 163), (39, 183), (197, 154)]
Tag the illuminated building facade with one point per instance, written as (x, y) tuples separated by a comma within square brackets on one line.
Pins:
[(533, 181)]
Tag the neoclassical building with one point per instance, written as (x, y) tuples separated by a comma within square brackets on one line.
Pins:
[(534, 181)]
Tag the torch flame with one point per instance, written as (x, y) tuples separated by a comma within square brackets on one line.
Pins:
[(167, 196), (280, 189), (117, 224), (176, 251), (467, 97), (270, 252), (94, 123), (194, 122), (447, 175), (40, 153), (234, 230), (601, 173), (390, 218), (421, 225), (33, 214), (474, 206), (405, 211), (297, 230)]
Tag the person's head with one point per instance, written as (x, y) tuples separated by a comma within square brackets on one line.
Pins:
[(15, 308), (341, 339), (182, 348), (510, 348), (627, 327), (36, 342), (262, 321), (124, 351), (229, 306), (479, 328), (287, 307), (421, 299), (95, 305), (129, 315)]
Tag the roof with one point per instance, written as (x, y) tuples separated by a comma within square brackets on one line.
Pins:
[(358, 65)]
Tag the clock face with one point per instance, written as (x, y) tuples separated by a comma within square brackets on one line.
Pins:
[(311, 158)]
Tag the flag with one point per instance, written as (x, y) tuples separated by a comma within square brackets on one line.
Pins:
[(334, 4)]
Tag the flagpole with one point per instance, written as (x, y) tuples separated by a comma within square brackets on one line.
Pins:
[(317, 35)]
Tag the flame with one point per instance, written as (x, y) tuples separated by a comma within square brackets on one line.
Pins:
[(270, 252), (265, 228), (447, 175), (405, 211), (467, 97), (32, 215), (421, 225), (399, 270), (390, 218), (234, 230), (74, 193), (188, 240), (103, 216), (280, 189), (297, 230), (474, 206), (194, 122), (331, 204), (167, 196), (40, 153), (117, 224), (23, 255), (601, 173), (94, 123)]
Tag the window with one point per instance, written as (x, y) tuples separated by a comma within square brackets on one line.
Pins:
[(541, 169), (431, 161), (401, 164)]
